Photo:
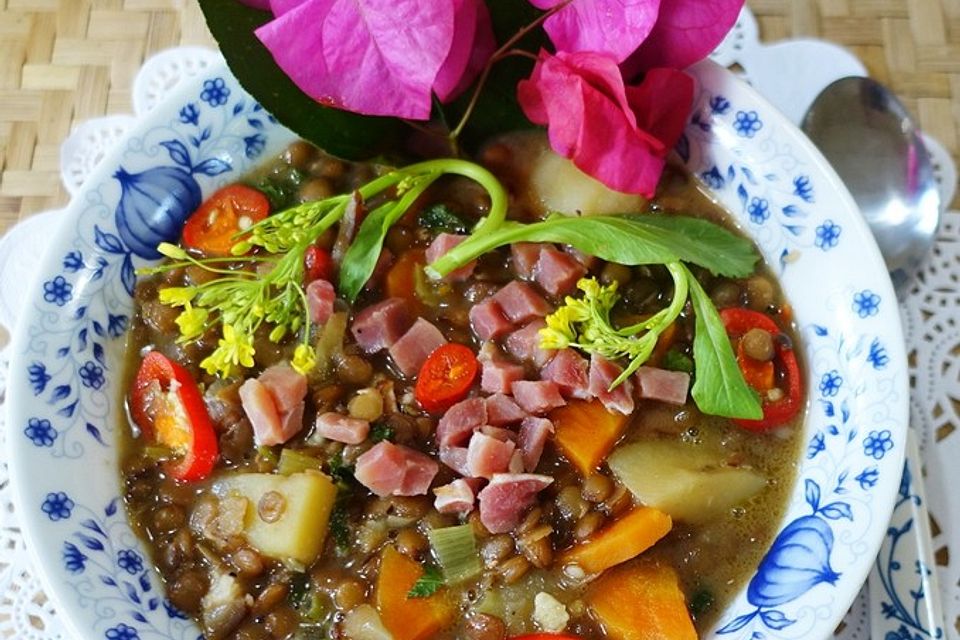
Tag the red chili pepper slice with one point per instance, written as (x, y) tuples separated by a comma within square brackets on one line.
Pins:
[(777, 412), (317, 264), (446, 377), (213, 227), (166, 404)]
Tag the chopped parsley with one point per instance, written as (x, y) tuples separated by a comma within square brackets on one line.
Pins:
[(428, 583)]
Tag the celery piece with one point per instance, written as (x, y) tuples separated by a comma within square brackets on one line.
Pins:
[(456, 550), (293, 461)]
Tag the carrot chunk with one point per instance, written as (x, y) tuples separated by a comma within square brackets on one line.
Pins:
[(641, 601), (586, 432), (409, 618), (627, 537)]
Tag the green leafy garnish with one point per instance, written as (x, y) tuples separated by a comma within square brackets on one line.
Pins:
[(624, 239), (675, 360), (585, 323), (427, 584), (270, 289), (719, 388), (439, 218), (382, 431)]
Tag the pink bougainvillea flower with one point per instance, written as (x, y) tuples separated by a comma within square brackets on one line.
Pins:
[(616, 27), (618, 134), (280, 7), (473, 44), (376, 57), (686, 31)]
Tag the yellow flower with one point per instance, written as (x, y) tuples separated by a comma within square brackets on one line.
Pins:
[(304, 358), (192, 322), (177, 296), (553, 339)]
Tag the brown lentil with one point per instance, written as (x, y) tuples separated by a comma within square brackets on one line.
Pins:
[(399, 239), (725, 294), (248, 562), (571, 504), (367, 405), (299, 154), (588, 525), (481, 626), (354, 369), (761, 293), (758, 344), (513, 569), (495, 549), (169, 518), (596, 488), (281, 622), (271, 506), (613, 272), (411, 542), (348, 594), (188, 590), (315, 189), (270, 597)]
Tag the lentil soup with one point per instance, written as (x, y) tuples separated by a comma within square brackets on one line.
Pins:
[(455, 457)]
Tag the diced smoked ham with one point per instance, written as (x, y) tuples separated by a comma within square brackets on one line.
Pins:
[(395, 470), (379, 326), (258, 404), (287, 386), (487, 320), (411, 350), (524, 256), (498, 376), (274, 404), (487, 455), (663, 385), (320, 298), (520, 303), (502, 410), (455, 458), (602, 373), (499, 433), (587, 260), (460, 420), (342, 428), (516, 462), (534, 433), (456, 497), (524, 344), (570, 371), (538, 396), (504, 501), (440, 246), (557, 272)]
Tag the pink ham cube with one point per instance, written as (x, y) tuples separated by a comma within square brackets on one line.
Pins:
[(411, 350), (440, 246), (379, 326), (570, 371), (391, 469), (342, 428), (502, 410), (320, 298), (520, 303), (488, 321), (663, 385), (506, 499), (557, 272), (524, 344), (602, 373), (537, 397)]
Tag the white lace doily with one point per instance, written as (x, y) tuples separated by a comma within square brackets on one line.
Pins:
[(931, 320)]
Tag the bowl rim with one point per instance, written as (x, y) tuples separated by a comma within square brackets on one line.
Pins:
[(70, 609)]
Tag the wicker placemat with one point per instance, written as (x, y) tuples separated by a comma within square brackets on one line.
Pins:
[(65, 61)]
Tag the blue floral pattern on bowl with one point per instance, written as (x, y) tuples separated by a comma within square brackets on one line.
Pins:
[(68, 356)]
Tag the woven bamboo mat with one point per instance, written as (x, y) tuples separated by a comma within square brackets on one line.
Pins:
[(65, 61)]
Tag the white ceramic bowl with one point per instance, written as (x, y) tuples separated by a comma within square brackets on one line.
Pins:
[(64, 386)]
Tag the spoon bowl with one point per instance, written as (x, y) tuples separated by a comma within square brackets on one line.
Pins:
[(868, 136)]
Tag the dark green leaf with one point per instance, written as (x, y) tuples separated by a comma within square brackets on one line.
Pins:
[(676, 360), (341, 133), (338, 469), (339, 525), (625, 239), (382, 431), (719, 388), (427, 584), (439, 218)]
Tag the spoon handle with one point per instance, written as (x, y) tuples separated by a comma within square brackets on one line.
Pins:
[(904, 595)]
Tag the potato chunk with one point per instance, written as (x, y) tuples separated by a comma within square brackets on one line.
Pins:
[(286, 516), (692, 486)]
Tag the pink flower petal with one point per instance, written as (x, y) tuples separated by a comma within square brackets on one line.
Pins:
[(616, 27), (686, 31), (619, 135), (472, 46), (355, 57)]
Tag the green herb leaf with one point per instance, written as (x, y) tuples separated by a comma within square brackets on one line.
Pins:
[(341, 133), (382, 431), (624, 239), (427, 584), (440, 219), (338, 469), (675, 360), (719, 388)]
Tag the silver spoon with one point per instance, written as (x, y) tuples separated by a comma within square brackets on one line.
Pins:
[(874, 146)]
